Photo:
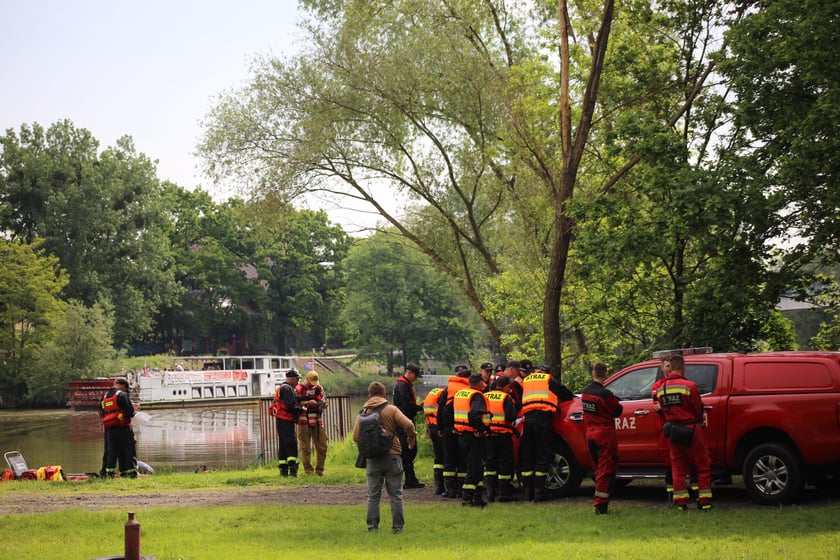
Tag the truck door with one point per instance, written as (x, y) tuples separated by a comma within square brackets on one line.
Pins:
[(637, 427), (707, 378)]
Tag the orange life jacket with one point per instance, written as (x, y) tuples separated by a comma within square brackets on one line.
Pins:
[(430, 406), (113, 415), (461, 407), (496, 407), (536, 394)]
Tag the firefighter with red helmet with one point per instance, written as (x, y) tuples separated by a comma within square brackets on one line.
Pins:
[(682, 410), (498, 463), (471, 424), (600, 409)]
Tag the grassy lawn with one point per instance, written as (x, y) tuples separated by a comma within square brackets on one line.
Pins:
[(558, 529)]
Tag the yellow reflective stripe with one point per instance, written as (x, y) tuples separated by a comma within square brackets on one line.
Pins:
[(678, 389), (602, 494)]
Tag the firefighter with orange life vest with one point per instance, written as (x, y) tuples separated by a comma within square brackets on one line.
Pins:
[(682, 409), (600, 409), (498, 461), (120, 445), (430, 408), (288, 408), (471, 424), (542, 392), (453, 464)]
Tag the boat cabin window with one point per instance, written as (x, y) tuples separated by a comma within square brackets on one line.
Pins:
[(248, 363)]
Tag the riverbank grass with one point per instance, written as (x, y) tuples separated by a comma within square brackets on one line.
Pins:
[(443, 532)]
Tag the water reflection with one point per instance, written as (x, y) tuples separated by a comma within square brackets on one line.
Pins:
[(183, 439)]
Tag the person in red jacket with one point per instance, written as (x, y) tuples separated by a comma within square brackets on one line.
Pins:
[(287, 416), (600, 409), (682, 409)]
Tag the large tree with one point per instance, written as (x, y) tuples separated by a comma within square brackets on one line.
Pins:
[(781, 59), (481, 113), (400, 308), (30, 286), (98, 212)]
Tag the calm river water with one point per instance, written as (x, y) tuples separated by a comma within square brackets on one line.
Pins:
[(182, 439)]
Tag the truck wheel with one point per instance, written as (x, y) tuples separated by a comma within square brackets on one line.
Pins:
[(772, 474), (564, 473)]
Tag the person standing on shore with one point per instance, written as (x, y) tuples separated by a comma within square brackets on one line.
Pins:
[(287, 413), (387, 469), (406, 401), (120, 445), (600, 409), (310, 428)]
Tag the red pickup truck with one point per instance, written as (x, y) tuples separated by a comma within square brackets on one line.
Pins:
[(773, 418)]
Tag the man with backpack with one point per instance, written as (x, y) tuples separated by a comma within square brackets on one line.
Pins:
[(386, 468)]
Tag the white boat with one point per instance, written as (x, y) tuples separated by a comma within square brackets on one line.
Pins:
[(209, 380)]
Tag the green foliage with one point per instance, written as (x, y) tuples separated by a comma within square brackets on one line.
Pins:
[(81, 347), (401, 309), (780, 58), (98, 213), (30, 285)]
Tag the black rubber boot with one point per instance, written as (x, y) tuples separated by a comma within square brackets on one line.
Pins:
[(602, 509), (528, 485), (439, 486), (450, 487), (539, 489), (478, 498), (506, 491), (467, 496), (284, 469), (293, 469), (491, 482)]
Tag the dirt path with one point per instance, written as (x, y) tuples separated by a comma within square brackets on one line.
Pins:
[(726, 497)]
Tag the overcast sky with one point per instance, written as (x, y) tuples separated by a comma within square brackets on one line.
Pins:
[(150, 69)]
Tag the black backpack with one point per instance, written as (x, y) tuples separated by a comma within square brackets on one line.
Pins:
[(374, 440)]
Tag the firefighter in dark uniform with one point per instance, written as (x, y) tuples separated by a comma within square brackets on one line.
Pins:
[(120, 445), (453, 463), (406, 400), (541, 394), (430, 409), (600, 409), (471, 424), (679, 399), (286, 419), (498, 461)]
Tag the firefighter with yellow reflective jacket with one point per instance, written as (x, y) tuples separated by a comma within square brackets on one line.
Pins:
[(498, 460), (430, 408), (542, 392), (471, 424)]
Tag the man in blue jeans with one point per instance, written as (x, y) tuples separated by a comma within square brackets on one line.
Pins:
[(387, 469)]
